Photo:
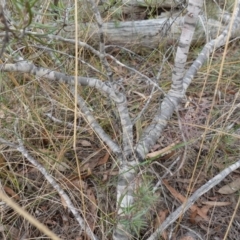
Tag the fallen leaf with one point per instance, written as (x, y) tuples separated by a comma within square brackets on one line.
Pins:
[(92, 208), (216, 204), (11, 193), (184, 199), (3, 162), (205, 209), (195, 219), (193, 216), (87, 168), (103, 159), (85, 143), (161, 216), (231, 187), (213, 198), (75, 182)]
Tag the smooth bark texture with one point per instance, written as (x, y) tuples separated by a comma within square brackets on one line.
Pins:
[(147, 33), (128, 172), (175, 95), (185, 206), (154, 3)]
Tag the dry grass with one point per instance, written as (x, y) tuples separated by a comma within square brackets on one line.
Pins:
[(210, 124)]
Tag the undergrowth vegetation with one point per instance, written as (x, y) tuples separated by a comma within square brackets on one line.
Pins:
[(201, 139)]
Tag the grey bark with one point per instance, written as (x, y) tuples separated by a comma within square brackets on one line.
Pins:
[(148, 33), (185, 206)]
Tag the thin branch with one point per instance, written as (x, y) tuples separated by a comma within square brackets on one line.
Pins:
[(106, 88), (95, 126), (154, 85), (127, 127), (192, 232), (67, 124), (40, 72), (95, 52), (101, 42), (210, 47), (185, 206), (21, 211), (54, 184), (149, 80), (6, 28), (172, 99), (126, 183)]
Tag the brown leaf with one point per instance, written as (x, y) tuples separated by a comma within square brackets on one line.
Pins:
[(214, 198), (205, 209), (92, 217), (11, 193), (216, 204), (103, 159), (76, 182), (87, 168), (3, 162), (231, 187), (193, 216), (184, 199), (161, 216)]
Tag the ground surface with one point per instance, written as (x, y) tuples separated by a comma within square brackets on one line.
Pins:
[(200, 140)]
